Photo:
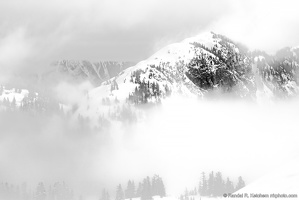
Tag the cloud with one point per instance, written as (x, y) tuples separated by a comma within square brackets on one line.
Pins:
[(177, 140), (36, 33), (265, 25), (72, 94), (101, 30), (15, 49), (133, 30)]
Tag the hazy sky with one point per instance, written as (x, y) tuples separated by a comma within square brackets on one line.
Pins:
[(34, 31)]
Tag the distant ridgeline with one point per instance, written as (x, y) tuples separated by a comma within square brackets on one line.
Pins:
[(205, 66), (95, 72), (213, 186)]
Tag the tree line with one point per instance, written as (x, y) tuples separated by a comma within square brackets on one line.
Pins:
[(213, 185), (145, 190), (57, 191)]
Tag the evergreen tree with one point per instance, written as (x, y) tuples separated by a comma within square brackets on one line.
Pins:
[(229, 187), (146, 192), (218, 185), (210, 190), (40, 192), (119, 193), (195, 191), (130, 191), (105, 195), (158, 187), (139, 190), (203, 185), (186, 194), (240, 184)]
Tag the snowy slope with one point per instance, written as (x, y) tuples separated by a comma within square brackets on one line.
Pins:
[(283, 180), (167, 57), (22, 99), (277, 75), (13, 95)]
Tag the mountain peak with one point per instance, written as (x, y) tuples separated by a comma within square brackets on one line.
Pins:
[(202, 66)]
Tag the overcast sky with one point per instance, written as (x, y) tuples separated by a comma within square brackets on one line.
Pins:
[(37, 32)]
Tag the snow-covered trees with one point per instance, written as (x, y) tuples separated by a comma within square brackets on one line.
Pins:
[(148, 89), (114, 85), (281, 71), (211, 184), (61, 191), (158, 187), (130, 191), (58, 191), (40, 192), (229, 187), (119, 193), (105, 195), (217, 186), (146, 189), (222, 66), (146, 192), (203, 185)]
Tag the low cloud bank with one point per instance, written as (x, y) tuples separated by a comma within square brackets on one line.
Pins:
[(177, 140)]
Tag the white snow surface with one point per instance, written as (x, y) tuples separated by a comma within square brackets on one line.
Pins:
[(282, 180)]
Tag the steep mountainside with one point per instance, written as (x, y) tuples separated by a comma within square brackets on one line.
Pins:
[(193, 67), (204, 66), (95, 72), (278, 74)]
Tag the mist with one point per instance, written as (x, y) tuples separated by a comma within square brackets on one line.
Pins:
[(177, 140), (35, 34)]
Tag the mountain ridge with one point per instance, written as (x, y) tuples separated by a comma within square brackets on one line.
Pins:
[(208, 65)]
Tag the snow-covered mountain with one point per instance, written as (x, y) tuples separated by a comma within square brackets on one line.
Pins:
[(203, 66)]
